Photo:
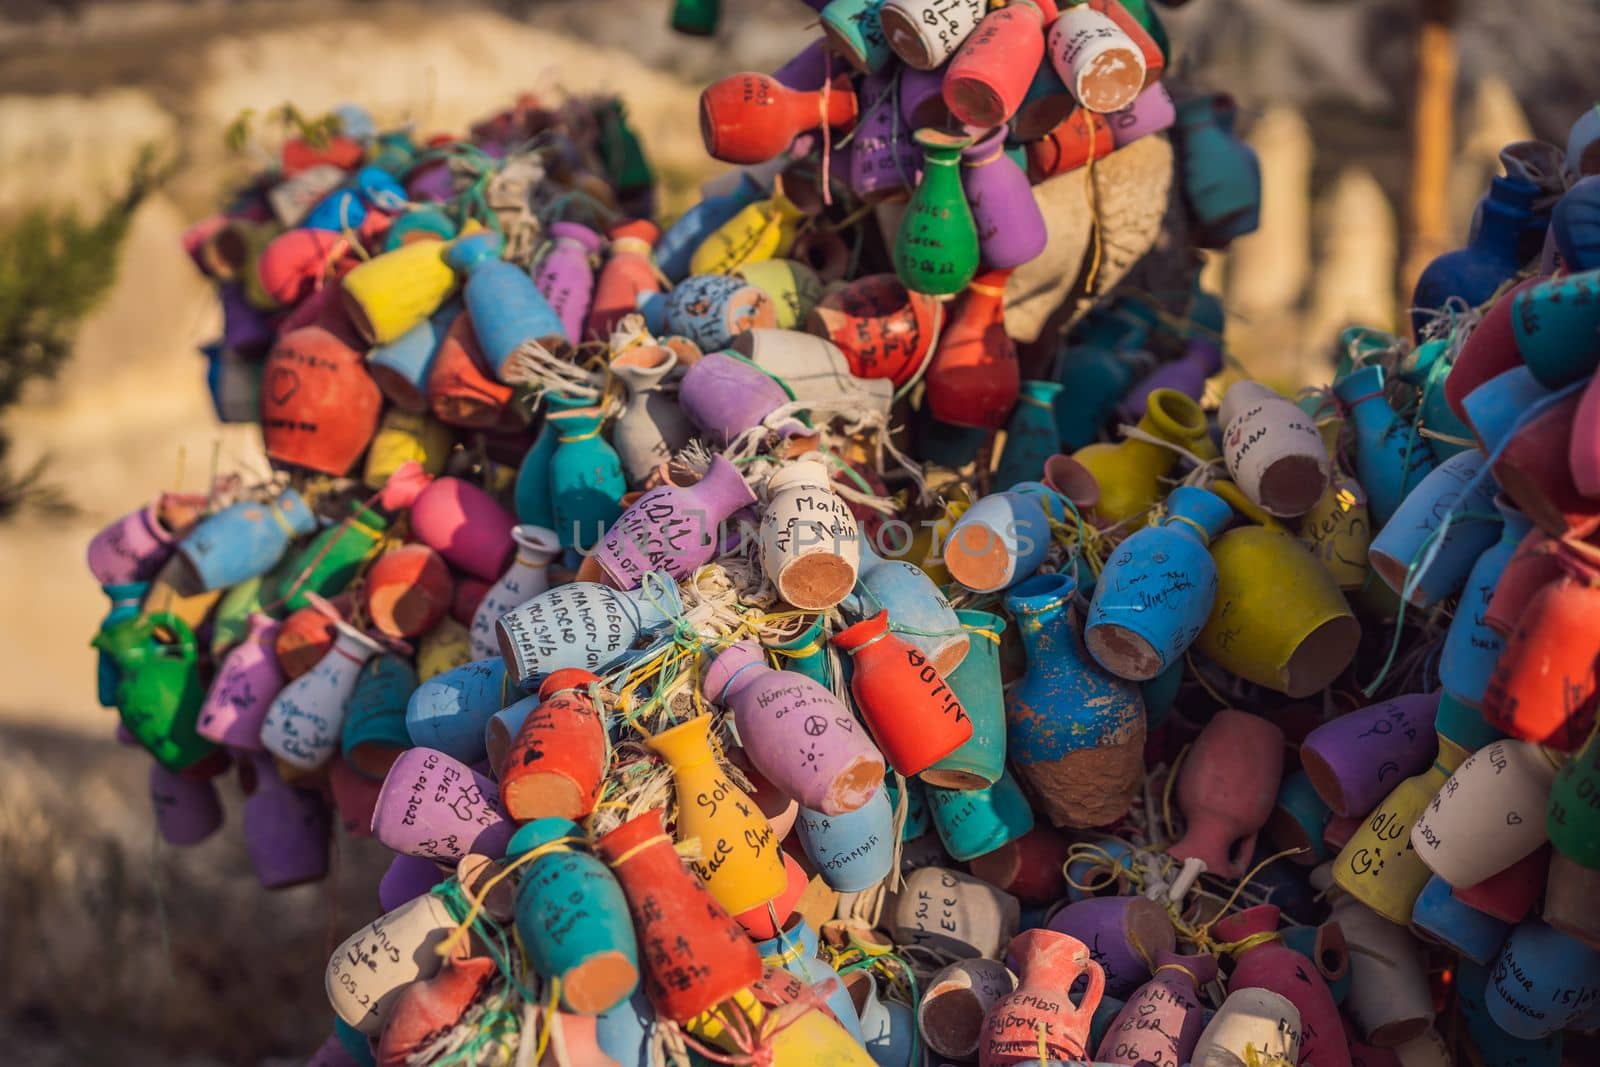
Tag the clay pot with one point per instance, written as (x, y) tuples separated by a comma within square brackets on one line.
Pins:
[(1226, 789), (1161, 1022), (695, 955), (437, 808), (954, 913), (1357, 758), (955, 1003), (1270, 964), (319, 407), (408, 590), (884, 329), (1049, 963), (974, 377), (750, 118), (1533, 469), (1124, 933), (1544, 683), (1257, 1020), (915, 717), (809, 538), (1273, 450), (1486, 817), (554, 765)]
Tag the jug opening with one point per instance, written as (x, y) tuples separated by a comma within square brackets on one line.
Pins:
[(1293, 484), (977, 558), (953, 1021), (952, 778), (1321, 657), (816, 582), (1123, 652), (545, 793), (599, 983)]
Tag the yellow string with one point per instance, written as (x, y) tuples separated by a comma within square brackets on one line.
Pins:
[(549, 1019), (1166, 793), (1094, 216), (1254, 1058), (579, 437), (1038, 1034)]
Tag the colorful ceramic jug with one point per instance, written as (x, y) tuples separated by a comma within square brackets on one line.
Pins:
[(526, 578), (330, 561), (1252, 1025), (1137, 628), (936, 247), (1354, 760), (407, 591), (1416, 554), (1463, 929), (1221, 174), (305, 721), (1030, 436), (1391, 459), (1534, 469), (1486, 817), (531, 493), (374, 965), (159, 694), (131, 549), (852, 851), (586, 479), (1543, 685), (461, 522), (974, 378), (976, 683), (1074, 733), (244, 688), (1009, 222), (1472, 274), (795, 731), (760, 232), (375, 732), (712, 309), (1102, 66), (572, 918), (1542, 981), (1226, 790), (245, 540), (583, 624), (1378, 865), (953, 913), (913, 714), (651, 426), (1003, 538), (564, 276), (987, 80), (750, 118), (555, 758), (1079, 137), (884, 328), (628, 273), (402, 366), (1129, 472), (450, 711), (393, 292), (506, 307), (1039, 1009), (1496, 1047), (187, 810), (1161, 1022), (955, 1003), (724, 396), (430, 1006), (1273, 450), (1263, 960), (972, 822), (319, 407), (287, 831), (1122, 934), (925, 33), (461, 392), (887, 1028), (813, 369), (810, 543), (1296, 647), (125, 599), (695, 955), (884, 161), (678, 243), (742, 866), (438, 808), (673, 529)]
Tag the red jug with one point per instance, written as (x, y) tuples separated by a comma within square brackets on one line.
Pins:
[(319, 406), (974, 377), (751, 118)]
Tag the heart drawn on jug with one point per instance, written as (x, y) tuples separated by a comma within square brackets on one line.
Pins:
[(1513, 819), (282, 384)]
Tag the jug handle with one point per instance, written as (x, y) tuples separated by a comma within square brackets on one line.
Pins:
[(1230, 492)]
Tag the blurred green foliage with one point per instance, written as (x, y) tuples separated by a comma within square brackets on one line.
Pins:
[(54, 268)]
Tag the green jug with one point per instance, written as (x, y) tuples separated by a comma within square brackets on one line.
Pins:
[(159, 692), (936, 248)]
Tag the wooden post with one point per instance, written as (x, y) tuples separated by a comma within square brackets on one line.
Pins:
[(1432, 144)]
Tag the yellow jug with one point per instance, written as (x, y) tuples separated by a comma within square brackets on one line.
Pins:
[(794, 287), (740, 861), (765, 229), (1279, 619), (1377, 865), (1338, 528), (404, 436), (392, 292), (810, 1040), (1129, 473), (443, 648)]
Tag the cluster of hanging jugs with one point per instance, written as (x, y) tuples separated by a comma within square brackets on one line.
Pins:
[(766, 638)]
